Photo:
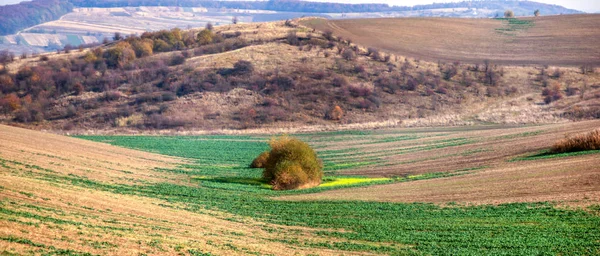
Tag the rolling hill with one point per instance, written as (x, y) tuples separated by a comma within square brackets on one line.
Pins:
[(282, 75), (195, 195), (49, 203), (48, 25), (427, 149), (548, 40)]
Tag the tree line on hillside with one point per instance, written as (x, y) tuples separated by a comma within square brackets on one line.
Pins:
[(26, 14)]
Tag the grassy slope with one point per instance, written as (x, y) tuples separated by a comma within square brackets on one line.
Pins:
[(383, 227), (210, 202), (67, 196)]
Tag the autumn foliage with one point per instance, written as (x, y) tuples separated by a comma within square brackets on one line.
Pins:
[(11, 102), (335, 113)]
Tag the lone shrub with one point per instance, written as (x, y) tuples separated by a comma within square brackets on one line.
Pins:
[(509, 14), (582, 142), (260, 160), (292, 164)]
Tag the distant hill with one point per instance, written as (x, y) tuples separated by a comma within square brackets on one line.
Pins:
[(519, 7), (14, 18), (26, 14)]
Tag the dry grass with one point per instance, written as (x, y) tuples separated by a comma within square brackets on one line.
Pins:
[(266, 57), (553, 40), (581, 142)]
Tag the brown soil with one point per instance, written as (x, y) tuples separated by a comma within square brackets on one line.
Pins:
[(552, 40)]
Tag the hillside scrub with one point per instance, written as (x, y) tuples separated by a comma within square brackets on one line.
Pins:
[(581, 142), (155, 76), (292, 164)]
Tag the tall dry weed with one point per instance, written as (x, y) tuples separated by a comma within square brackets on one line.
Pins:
[(581, 142)]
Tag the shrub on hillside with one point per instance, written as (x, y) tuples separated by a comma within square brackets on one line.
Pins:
[(119, 55), (177, 59), (143, 48), (10, 102), (348, 54), (449, 72), (260, 160), (585, 69), (552, 94), (335, 113), (292, 38), (339, 81), (243, 67), (581, 142), (328, 34), (205, 37), (6, 57), (292, 164)]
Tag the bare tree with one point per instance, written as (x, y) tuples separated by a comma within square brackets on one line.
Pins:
[(6, 56)]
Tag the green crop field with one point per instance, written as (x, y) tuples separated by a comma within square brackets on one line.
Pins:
[(487, 190), (219, 165)]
